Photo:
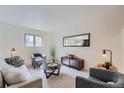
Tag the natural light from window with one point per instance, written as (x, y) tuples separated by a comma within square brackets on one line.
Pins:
[(33, 40)]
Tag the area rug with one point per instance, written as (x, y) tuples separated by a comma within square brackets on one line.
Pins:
[(66, 78)]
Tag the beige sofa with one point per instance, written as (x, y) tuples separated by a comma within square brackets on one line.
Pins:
[(34, 82), (11, 77)]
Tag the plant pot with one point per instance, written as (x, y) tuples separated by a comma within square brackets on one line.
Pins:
[(53, 60)]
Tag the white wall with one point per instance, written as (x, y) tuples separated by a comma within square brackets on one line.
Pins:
[(105, 28), (122, 46), (13, 37)]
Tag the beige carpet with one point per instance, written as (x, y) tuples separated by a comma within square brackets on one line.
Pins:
[(66, 79)]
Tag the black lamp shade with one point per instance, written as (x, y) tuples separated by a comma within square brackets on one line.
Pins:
[(104, 52)]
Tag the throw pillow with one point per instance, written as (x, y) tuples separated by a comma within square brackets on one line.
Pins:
[(12, 77)]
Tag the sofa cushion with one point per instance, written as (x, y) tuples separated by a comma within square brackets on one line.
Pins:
[(39, 59), (15, 75), (12, 77), (12, 74)]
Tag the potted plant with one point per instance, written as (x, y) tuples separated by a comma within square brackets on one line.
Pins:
[(107, 65), (53, 54)]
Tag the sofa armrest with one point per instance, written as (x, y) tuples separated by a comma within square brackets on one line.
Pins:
[(91, 83), (31, 83)]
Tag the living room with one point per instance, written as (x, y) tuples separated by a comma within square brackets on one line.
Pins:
[(47, 27)]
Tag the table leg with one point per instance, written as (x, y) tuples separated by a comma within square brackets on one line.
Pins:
[(48, 74), (57, 72)]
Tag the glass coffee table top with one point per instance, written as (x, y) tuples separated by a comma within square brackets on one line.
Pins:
[(51, 68)]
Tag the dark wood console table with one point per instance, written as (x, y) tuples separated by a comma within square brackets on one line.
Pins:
[(77, 63)]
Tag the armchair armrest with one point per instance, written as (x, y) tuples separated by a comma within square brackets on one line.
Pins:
[(32, 58), (91, 83), (31, 83), (44, 56)]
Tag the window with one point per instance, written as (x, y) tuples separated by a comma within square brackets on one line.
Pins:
[(33, 40), (29, 40), (38, 41)]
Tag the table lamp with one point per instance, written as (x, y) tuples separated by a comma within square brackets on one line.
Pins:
[(12, 51)]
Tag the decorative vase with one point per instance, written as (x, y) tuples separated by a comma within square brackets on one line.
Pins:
[(53, 60)]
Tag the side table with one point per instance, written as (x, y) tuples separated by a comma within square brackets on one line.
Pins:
[(15, 61)]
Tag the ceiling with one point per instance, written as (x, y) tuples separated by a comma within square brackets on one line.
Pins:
[(48, 18)]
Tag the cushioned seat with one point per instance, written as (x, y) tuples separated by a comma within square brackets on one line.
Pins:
[(38, 59)]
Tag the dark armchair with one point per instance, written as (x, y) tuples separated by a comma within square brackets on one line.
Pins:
[(37, 59), (99, 78)]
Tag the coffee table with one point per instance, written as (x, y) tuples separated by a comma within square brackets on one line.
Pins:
[(52, 68)]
